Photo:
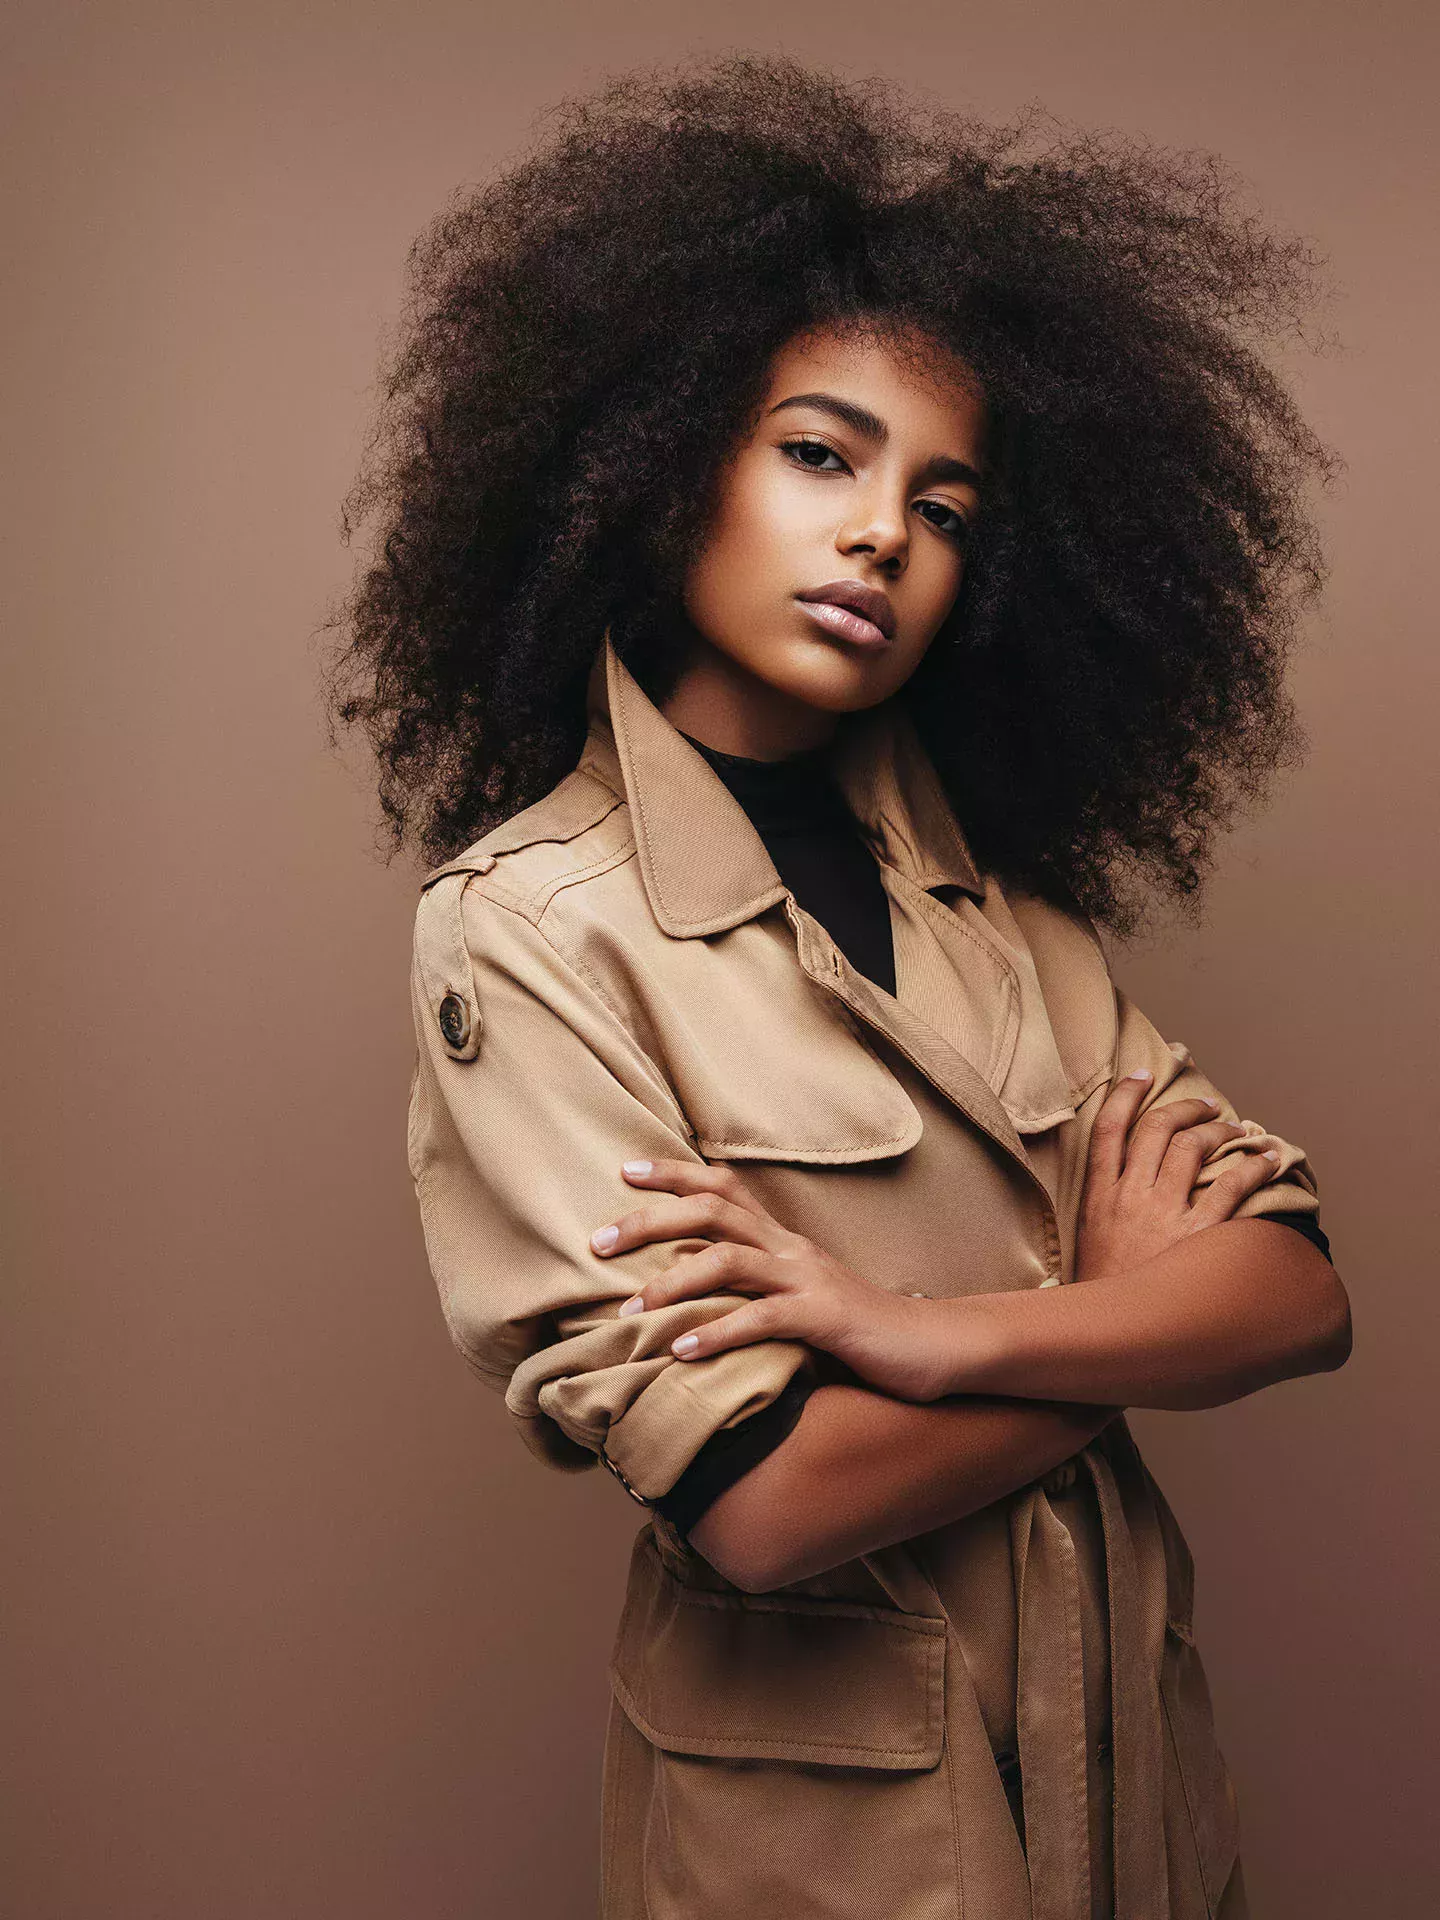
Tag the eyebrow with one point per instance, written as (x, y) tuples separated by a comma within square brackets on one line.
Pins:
[(871, 427)]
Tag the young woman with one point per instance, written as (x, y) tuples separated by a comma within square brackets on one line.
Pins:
[(830, 561)]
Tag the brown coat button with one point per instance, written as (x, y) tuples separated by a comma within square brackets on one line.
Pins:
[(454, 1017)]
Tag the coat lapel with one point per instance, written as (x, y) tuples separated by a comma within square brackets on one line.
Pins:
[(968, 1010)]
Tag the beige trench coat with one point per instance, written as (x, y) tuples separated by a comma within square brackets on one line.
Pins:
[(619, 972)]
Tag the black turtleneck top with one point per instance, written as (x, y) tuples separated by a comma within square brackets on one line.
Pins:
[(801, 814)]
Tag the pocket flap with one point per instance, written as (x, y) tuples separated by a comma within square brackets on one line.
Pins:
[(770, 1677)]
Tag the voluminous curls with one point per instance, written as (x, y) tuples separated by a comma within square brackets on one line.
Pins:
[(588, 333)]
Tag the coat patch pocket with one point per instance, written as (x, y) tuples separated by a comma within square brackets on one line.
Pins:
[(756, 1677), (778, 1754)]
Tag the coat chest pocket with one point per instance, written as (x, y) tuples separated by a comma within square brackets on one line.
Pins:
[(777, 1755), (767, 1066)]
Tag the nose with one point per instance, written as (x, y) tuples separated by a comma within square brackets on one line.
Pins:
[(876, 527)]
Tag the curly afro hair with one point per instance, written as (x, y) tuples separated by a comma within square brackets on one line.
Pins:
[(588, 333)]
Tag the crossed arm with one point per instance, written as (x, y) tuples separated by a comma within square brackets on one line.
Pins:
[(951, 1404), (1204, 1322)]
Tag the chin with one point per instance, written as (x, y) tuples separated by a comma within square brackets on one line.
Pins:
[(821, 672), (821, 676)]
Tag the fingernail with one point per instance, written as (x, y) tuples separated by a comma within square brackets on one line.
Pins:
[(633, 1305), (1207, 1101), (1269, 1154), (686, 1343), (637, 1166), (604, 1237), (1140, 1073)]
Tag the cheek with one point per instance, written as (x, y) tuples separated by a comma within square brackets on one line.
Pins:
[(937, 572), (750, 545), (762, 513)]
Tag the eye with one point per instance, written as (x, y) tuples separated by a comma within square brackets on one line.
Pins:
[(799, 447), (803, 446), (960, 531)]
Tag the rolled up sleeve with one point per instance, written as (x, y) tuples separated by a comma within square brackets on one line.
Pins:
[(529, 1092), (1292, 1188)]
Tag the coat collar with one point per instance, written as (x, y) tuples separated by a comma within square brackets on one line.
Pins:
[(703, 865)]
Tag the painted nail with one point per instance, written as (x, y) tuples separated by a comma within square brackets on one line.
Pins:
[(686, 1343), (637, 1166), (1140, 1073), (603, 1238), (633, 1305)]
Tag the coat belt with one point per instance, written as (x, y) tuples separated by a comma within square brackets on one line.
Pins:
[(1051, 1727)]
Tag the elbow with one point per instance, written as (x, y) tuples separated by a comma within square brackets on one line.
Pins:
[(751, 1574), (740, 1555), (1327, 1338), (1336, 1339), (744, 1546), (1323, 1338)]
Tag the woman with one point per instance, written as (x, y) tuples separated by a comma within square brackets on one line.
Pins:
[(824, 553)]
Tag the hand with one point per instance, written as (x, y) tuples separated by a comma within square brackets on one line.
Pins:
[(801, 1293), (1140, 1173)]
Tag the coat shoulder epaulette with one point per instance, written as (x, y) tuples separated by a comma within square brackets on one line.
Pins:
[(578, 803)]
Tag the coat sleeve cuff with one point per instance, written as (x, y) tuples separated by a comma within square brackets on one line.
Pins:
[(649, 1426)]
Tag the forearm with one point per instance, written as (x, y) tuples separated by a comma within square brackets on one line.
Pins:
[(861, 1471), (1214, 1317)]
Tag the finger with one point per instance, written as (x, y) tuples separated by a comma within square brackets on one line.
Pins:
[(676, 1216), (692, 1176), (724, 1268), (1187, 1152), (1152, 1133), (1105, 1160), (1251, 1171), (758, 1320)]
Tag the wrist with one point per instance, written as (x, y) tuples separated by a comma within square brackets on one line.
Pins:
[(980, 1344)]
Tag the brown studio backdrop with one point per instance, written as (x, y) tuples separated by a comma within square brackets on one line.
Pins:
[(296, 1627)]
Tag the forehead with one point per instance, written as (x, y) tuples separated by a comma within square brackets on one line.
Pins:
[(915, 383)]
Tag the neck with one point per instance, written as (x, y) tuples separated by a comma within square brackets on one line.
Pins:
[(721, 703)]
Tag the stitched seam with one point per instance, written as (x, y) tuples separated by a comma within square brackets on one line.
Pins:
[(1189, 1804), (802, 1746), (639, 801), (1084, 1088), (543, 896), (931, 906), (949, 1763), (815, 1609), (815, 1153), (545, 835), (754, 1740), (430, 936)]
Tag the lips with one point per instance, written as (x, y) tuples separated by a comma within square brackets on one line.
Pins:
[(868, 603)]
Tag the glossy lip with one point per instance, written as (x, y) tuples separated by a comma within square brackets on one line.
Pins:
[(868, 602)]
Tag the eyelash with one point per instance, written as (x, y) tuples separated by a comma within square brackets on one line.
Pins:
[(959, 536)]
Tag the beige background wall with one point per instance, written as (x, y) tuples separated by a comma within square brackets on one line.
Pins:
[(282, 1617)]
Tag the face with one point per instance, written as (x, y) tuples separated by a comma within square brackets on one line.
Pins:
[(861, 469)]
